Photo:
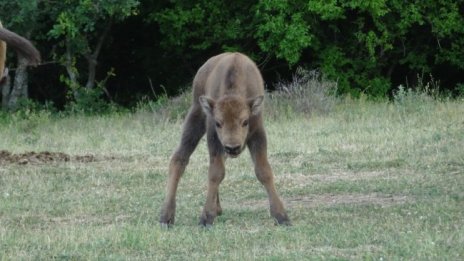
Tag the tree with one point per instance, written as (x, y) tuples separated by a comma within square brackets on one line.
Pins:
[(276, 27), (81, 29), (24, 21), (282, 30), (367, 46)]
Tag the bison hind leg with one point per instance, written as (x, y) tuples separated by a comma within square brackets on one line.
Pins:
[(282, 219)]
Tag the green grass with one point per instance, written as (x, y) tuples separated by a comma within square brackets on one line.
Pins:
[(375, 181)]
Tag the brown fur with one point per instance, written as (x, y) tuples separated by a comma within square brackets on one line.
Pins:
[(228, 93), (20, 44)]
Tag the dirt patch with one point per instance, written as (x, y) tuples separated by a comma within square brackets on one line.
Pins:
[(328, 200), (44, 157)]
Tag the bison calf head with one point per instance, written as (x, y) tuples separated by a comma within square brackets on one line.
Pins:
[(231, 116)]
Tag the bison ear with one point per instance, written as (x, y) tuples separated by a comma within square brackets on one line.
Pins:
[(207, 104), (256, 104)]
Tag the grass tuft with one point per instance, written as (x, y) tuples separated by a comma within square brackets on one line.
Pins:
[(308, 93)]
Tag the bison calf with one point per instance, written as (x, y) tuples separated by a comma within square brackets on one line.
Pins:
[(228, 97)]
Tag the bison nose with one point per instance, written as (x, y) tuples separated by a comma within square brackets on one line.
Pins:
[(232, 149)]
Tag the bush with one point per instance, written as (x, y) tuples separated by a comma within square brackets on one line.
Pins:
[(165, 108), (423, 92), (90, 101), (308, 93)]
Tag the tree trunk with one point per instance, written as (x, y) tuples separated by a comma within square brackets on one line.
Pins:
[(20, 83), (5, 86), (92, 63), (71, 70), (93, 57)]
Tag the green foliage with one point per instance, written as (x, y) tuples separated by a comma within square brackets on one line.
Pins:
[(79, 24), (277, 26), (81, 28), (281, 29), (76, 20), (200, 25), (24, 16), (460, 89), (360, 44), (89, 101), (28, 113), (367, 47)]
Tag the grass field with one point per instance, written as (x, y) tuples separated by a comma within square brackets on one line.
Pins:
[(374, 181)]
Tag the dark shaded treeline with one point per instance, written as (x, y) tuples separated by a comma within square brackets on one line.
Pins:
[(368, 48)]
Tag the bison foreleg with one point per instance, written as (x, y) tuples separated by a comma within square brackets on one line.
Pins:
[(194, 129), (216, 174), (257, 145)]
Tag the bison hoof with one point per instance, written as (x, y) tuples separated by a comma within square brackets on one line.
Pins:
[(166, 220), (283, 220), (165, 225), (206, 221), (206, 226)]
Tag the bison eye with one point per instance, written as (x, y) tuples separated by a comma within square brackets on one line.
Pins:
[(218, 124), (245, 123)]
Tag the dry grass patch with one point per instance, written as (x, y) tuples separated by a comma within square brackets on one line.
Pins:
[(329, 200), (301, 179)]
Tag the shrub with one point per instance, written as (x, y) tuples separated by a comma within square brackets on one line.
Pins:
[(90, 101), (424, 91), (165, 108), (308, 93)]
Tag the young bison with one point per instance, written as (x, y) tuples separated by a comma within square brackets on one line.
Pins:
[(228, 96)]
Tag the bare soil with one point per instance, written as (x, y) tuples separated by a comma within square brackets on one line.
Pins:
[(43, 157)]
